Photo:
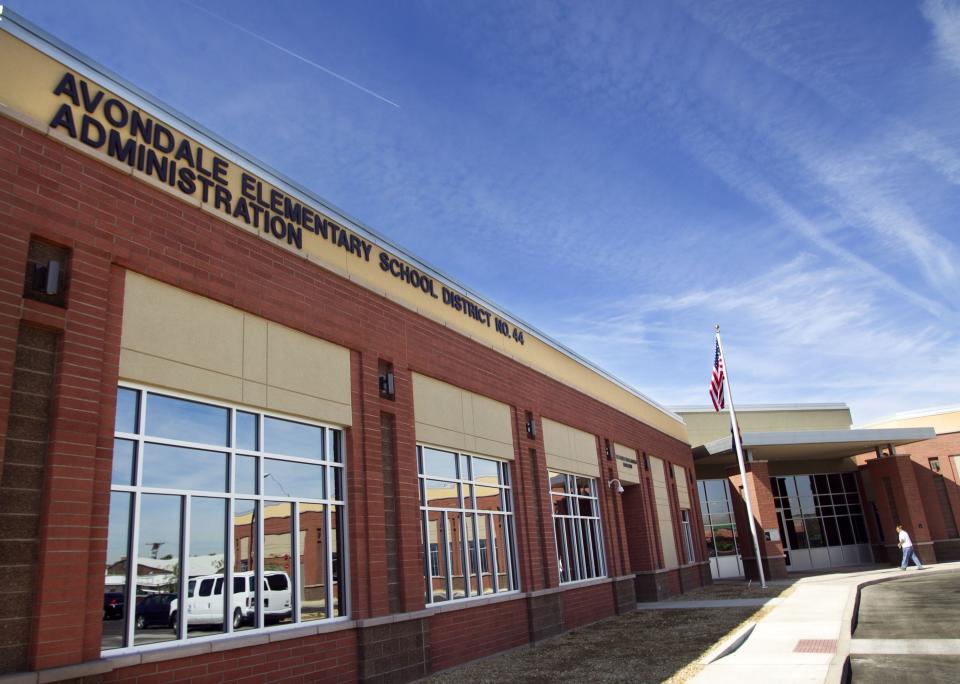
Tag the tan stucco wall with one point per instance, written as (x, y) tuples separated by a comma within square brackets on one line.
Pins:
[(448, 416), (661, 497), (680, 480), (628, 464), (703, 427), (942, 423), (179, 340), (569, 450)]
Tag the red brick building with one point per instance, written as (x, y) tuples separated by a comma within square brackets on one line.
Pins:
[(341, 464)]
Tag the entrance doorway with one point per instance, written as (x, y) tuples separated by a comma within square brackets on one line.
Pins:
[(719, 529), (821, 521)]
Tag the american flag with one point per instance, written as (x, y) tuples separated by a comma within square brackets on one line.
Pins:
[(716, 380)]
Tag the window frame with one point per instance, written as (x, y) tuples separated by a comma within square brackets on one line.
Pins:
[(469, 552), (334, 458), (587, 560), (687, 534)]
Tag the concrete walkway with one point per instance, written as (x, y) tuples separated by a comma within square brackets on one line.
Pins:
[(712, 603), (805, 637)]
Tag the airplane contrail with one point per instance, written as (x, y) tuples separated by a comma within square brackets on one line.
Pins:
[(293, 54)]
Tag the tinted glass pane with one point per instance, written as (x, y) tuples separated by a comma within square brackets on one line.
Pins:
[(846, 530), (245, 475), (830, 531), (437, 544), (563, 556), (245, 560), (724, 540), (289, 478), (277, 555), (502, 541), (336, 476), (849, 482), (486, 471), (188, 421), (337, 455), (126, 417), (716, 490), (836, 482), (558, 483), (485, 548), (339, 607), (456, 538), (292, 439), (159, 554), (115, 576), (439, 463), (488, 498), (583, 485), (815, 533), (123, 459), (472, 580), (313, 562), (170, 467), (246, 431), (207, 549), (441, 494)]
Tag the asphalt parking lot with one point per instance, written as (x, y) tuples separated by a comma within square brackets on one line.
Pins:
[(908, 630)]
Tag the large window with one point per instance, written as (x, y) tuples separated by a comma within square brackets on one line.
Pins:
[(576, 524), (719, 528), (467, 525), (821, 520), (240, 512)]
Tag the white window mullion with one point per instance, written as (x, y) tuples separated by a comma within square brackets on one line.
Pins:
[(186, 503), (448, 554), (492, 542), (133, 555)]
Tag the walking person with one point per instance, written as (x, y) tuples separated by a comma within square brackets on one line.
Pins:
[(906, 544)]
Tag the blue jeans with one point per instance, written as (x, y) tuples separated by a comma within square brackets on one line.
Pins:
[(908, 553)]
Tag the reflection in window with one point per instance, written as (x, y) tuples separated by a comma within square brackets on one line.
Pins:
[(186, 421), (467, 527), (716, 508), (576, 522), (272, 535)]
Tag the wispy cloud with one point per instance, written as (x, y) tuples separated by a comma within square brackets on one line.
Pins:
[(944, 18)]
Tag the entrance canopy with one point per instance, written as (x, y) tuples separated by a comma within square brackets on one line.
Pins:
[(807, 445)]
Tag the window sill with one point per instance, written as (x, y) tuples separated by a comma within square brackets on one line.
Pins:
[(155, 653)]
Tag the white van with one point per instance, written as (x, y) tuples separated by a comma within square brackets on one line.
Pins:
[(205, 599)]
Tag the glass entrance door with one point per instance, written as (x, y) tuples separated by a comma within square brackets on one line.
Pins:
[(719, 529), (821, 521)]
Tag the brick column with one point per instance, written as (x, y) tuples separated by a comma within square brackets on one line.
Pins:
[(764, 517), (899, 500)]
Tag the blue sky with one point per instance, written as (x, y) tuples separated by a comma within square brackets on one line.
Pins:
[(620, 175)]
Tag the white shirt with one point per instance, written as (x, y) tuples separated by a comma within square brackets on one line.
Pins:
[(905, 539)]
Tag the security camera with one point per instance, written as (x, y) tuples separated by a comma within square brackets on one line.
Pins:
[(619, 486)]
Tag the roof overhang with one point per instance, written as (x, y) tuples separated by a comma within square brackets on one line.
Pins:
[(808, 445)]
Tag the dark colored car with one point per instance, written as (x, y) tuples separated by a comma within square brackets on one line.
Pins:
[(154, 610), (112, 605)]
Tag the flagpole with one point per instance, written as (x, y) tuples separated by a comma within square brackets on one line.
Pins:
[(735, 431)]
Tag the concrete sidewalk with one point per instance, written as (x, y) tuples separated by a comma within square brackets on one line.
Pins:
[(806, 636)]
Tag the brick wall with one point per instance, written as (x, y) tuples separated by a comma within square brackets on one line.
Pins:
[(584, 605), (461, 635)]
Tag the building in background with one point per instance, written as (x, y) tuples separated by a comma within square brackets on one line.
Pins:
[(222, 398)]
